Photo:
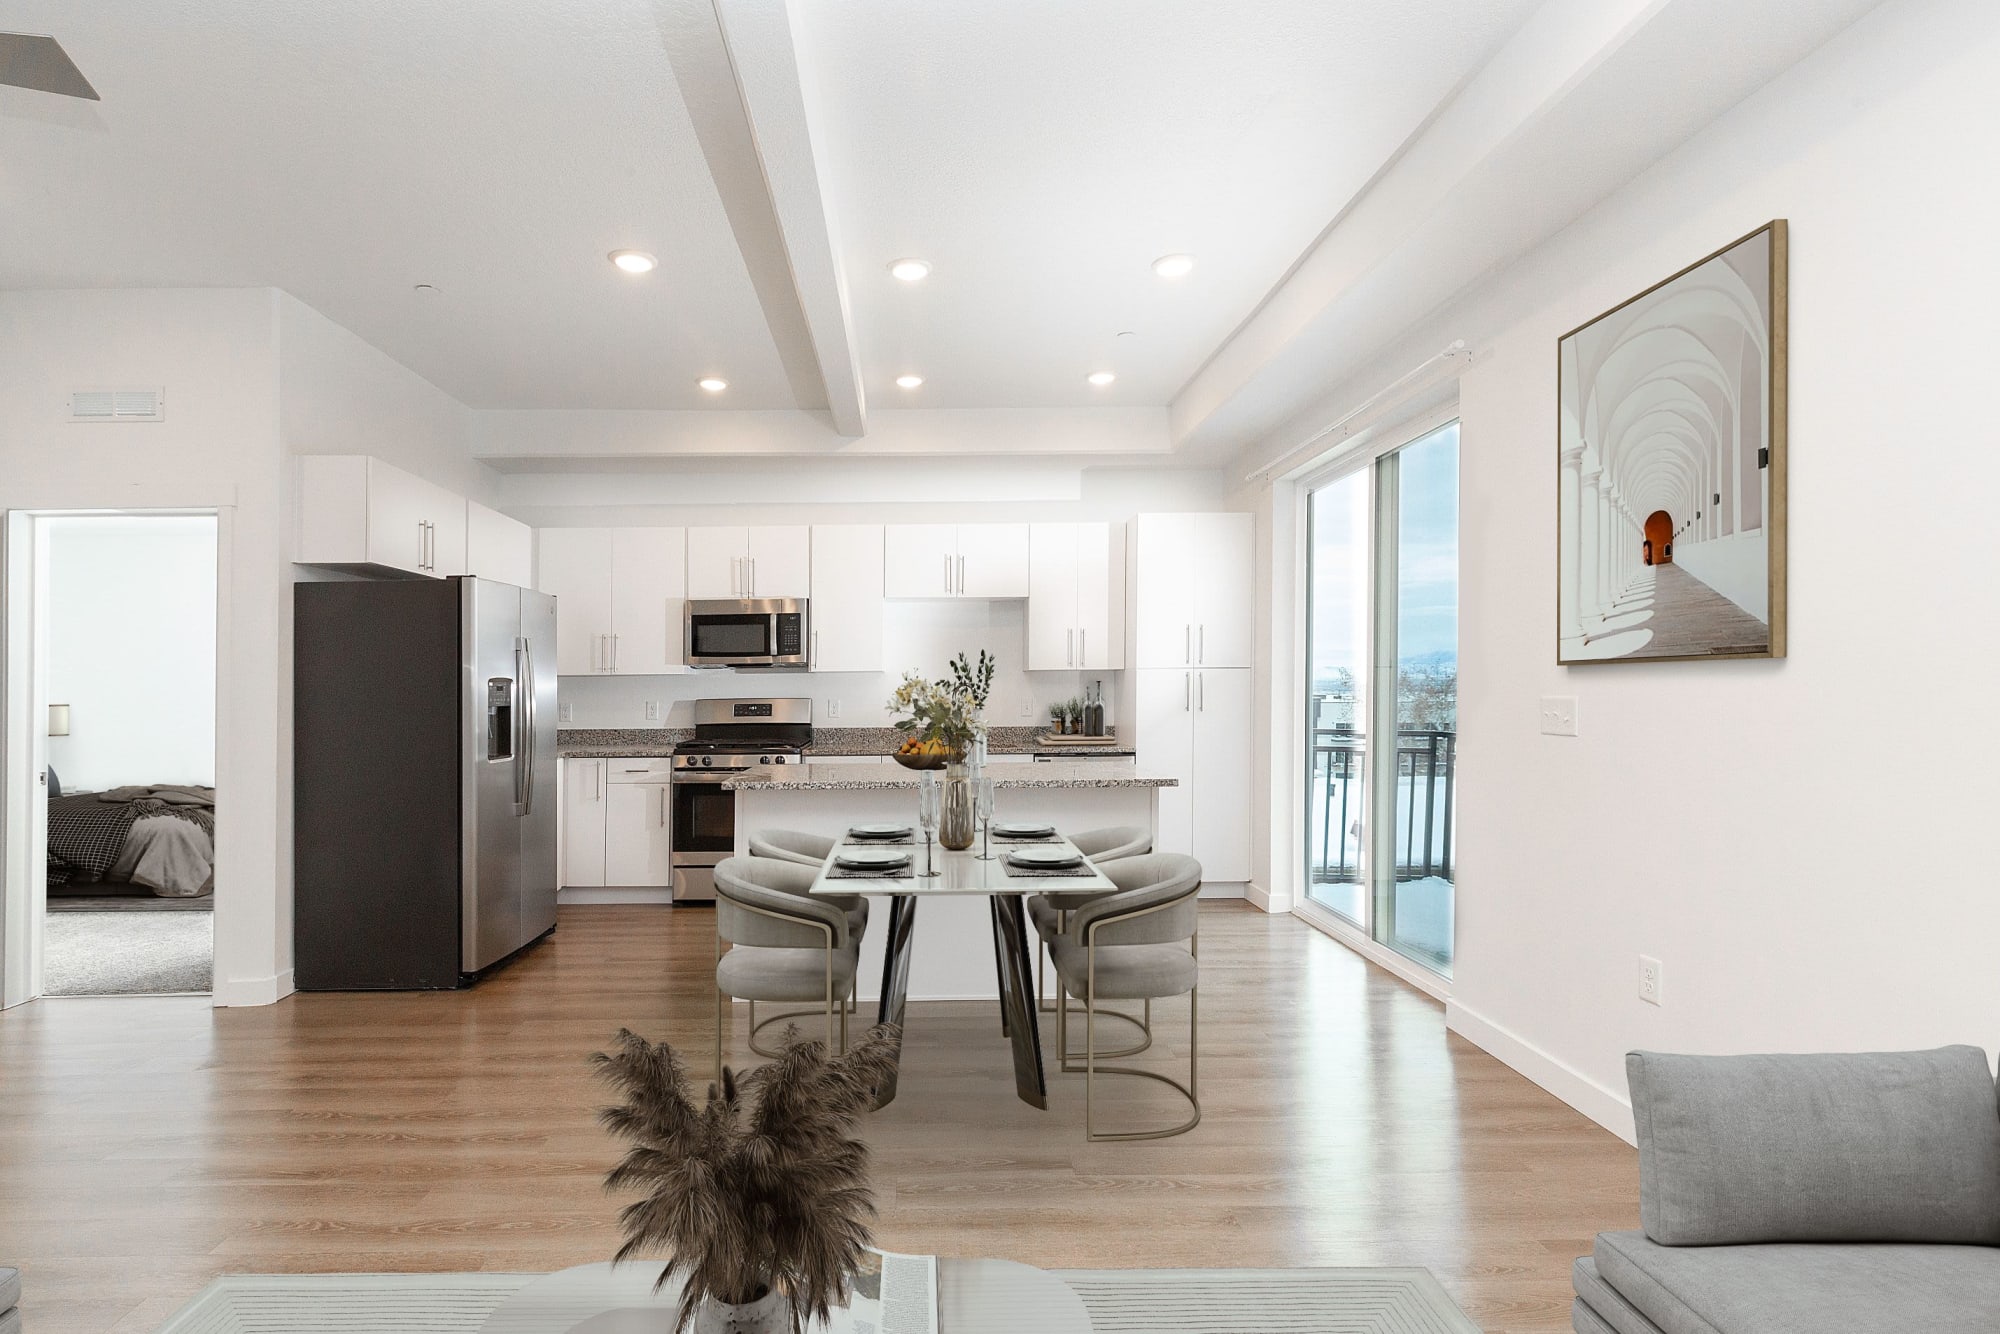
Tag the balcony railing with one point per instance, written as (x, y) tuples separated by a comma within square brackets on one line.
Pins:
[(1426, 763)]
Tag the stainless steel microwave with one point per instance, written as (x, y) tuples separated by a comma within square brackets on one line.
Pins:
[(746, 632)]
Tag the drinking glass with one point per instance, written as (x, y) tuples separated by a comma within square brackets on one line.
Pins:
[(986, 818), (928, 807)]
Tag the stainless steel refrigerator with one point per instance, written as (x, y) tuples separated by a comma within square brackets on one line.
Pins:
[(424, 780)]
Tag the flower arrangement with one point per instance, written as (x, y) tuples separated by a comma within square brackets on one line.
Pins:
[(759, 1203), (946, 713)]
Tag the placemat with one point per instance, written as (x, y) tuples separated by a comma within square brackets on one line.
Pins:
[(905, 841), (1046, 872), (899, 873), (1027, 838)]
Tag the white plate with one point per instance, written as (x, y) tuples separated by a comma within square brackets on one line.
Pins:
[(1022, 829), (1044, 858), (871, 859), (880, 831)]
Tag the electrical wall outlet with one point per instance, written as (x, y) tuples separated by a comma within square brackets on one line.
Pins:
[(652, 710), (562, 712), (1559, 715), (832, 709), (1651, 984), (1028, 708)]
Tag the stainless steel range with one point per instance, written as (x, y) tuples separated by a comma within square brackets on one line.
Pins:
[(730, 736)]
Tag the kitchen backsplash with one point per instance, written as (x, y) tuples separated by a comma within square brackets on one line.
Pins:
[(922, 636)]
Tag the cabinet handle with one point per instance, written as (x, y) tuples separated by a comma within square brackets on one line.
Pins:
[(663, 805), (614, 653), (1082, 648), (1187, 643), (815, 652), (961, 576), (1201, 692), (947, 574), (1201, 644), (431, 546), (1187, 692), (420, 544), (1069, 649), (753, 575)]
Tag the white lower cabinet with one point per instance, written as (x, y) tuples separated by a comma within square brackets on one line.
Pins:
[(617, 817), (1194, 725), (583, 824)]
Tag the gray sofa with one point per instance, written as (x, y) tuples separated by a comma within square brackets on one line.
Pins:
[(10, 1301), (1854, 1193)]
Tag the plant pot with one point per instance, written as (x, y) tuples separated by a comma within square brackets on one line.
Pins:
[(769, 1314), (957, 813)]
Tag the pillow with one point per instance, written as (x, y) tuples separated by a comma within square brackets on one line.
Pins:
[(1860, 1146)]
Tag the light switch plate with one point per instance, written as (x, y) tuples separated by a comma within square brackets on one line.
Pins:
[(562, 713), (1559, 715)]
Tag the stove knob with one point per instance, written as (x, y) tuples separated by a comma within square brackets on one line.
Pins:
[(763, 759), (707, 761), (780, 760)]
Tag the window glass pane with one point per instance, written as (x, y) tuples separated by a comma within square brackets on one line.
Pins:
[(1337, 575), (1416, 917)]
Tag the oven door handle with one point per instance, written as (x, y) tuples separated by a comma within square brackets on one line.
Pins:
[(711, 778)]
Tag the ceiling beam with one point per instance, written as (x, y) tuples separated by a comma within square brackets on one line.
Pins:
[(738, 69)]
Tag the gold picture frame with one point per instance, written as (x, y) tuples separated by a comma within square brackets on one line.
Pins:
[(1670, 466)]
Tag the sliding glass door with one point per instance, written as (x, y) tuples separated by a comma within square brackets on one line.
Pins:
[(1382, 703)]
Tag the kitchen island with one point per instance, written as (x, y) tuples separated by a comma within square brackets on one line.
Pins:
[(952, 957)]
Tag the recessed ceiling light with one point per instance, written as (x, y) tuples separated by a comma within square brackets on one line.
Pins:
[(1174, 266), (634, 261), (425, 289), (910, 270), (1100, 377), (713, 384), (909, 381)]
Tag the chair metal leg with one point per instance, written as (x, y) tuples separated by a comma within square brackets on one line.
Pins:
[(1189, 1090)]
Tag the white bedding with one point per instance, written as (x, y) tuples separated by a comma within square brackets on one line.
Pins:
[(174, 858)]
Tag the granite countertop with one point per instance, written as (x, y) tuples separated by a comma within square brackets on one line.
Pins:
[(597, 743), (885, 777)]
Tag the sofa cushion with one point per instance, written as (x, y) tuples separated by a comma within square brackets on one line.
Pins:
[(1586, 1321), (1861, 1146), (10, 1289), (1793, 1288), (1604, 1303)]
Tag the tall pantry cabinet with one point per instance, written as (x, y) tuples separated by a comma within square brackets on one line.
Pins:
[(1192, 583)]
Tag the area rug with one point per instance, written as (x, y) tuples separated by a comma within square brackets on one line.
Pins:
[(1120, 1301), (127, 953)]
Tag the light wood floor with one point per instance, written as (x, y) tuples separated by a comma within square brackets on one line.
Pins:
[(149, 1145)]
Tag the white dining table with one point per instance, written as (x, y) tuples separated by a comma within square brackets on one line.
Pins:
[(958, 874)]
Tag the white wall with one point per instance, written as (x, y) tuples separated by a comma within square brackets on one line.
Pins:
[(1796, 841), (131, 649), (215, 352)]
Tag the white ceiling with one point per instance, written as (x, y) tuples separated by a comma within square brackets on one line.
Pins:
[(346, 152), (1039, 152)]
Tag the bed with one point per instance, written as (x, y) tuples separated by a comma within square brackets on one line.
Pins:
[(157, 839)]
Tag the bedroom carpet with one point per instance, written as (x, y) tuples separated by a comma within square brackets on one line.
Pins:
[(127, 953)]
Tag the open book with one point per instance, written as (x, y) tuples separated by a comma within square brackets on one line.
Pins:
[(891, 1294)]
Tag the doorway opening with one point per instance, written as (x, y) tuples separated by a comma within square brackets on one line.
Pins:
[(122, 686)]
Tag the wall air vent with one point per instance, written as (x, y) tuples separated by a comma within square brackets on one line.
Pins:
[(118, 405)]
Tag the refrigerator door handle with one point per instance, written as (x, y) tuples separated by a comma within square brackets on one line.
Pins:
[(523, 731)]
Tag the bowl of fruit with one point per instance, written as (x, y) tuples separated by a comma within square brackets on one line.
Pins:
[(917, 754)]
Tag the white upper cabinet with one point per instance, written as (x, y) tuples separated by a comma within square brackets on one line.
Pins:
[(575, 565), (648, 594), (497, 547), (357, 512), (765, 561), (920, 560), (847, 598), (619, 595), (1076, 596), (945, 560), (1193, 581)]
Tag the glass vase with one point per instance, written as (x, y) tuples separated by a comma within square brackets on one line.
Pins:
[(958, 820)]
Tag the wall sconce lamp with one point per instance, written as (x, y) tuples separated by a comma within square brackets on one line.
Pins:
[(58, 720)]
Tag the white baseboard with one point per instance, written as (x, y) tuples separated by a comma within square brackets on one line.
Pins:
[(1265, 899), (234, 991), (657, 894), (1595, 1101)]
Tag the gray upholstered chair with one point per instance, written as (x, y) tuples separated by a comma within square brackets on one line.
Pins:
[(1141, 943), (10, 1301), (785, 946), (1048, 911), (802, 849)]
